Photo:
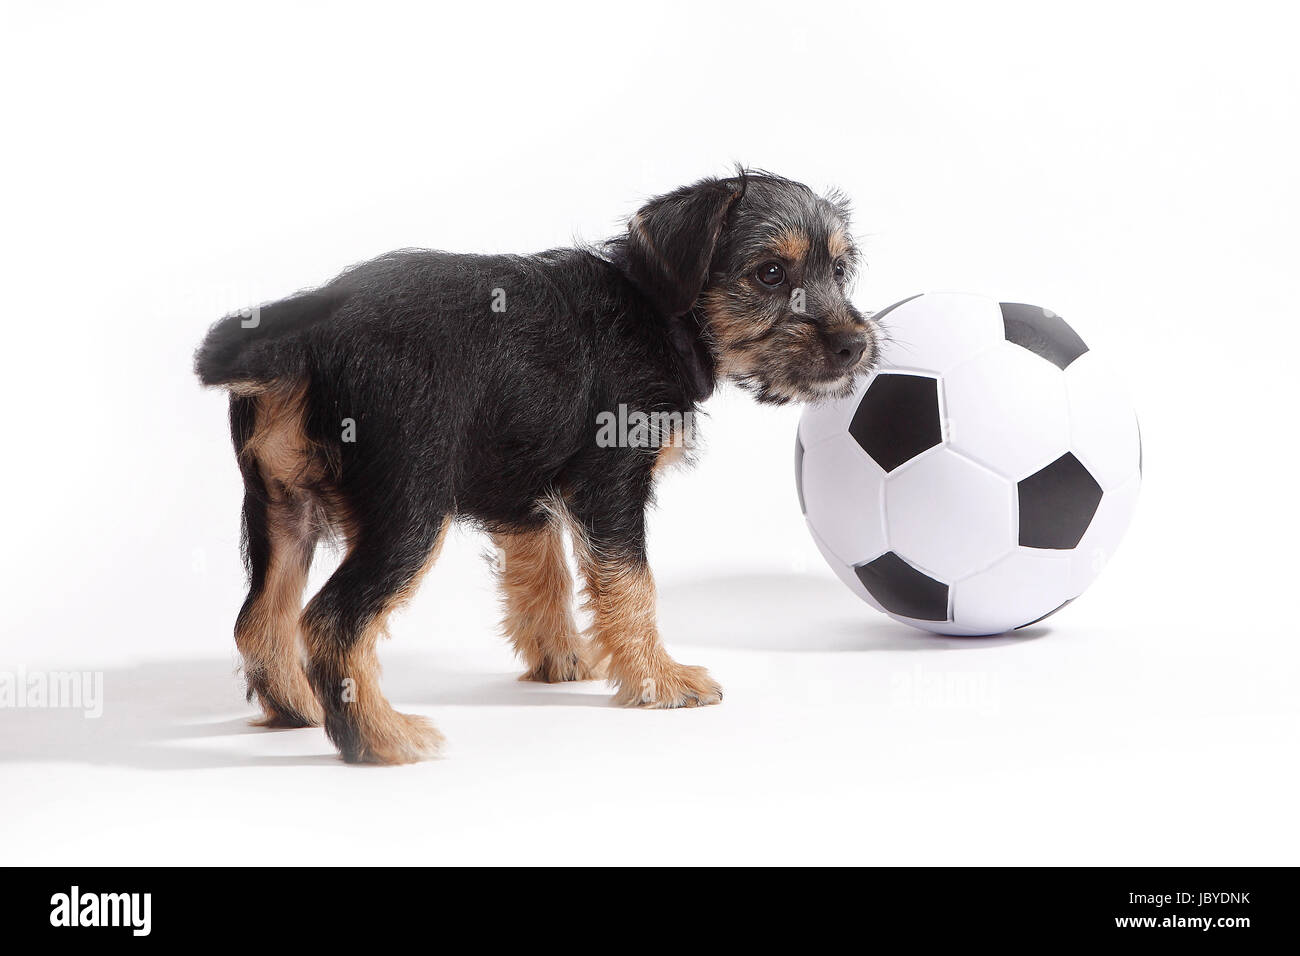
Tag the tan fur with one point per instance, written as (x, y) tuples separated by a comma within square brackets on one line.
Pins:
[(791, 245), (732, 327), (839, 245), (729, 325), (286, 457), (538, 598), (670, 454), (268, 636), (620, 596), (389, 737)]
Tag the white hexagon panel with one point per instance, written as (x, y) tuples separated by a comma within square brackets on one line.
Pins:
[(948, 515), (980, 478), (1023, 588), (1007, 409), (1103, 428), (938, 331)]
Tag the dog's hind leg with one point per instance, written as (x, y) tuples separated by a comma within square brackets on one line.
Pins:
[(280, 543), (387, 556), (537, 591), (280, 535)]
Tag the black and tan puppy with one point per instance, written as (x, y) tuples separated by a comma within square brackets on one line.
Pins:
[(425, 387)]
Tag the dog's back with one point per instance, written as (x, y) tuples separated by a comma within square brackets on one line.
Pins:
[(483, 374)]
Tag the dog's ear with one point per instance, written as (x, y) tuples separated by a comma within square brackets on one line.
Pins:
[(672, 239)]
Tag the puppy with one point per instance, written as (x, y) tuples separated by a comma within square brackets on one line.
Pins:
[(425, 387)]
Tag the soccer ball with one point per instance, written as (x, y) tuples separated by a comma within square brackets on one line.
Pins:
[(978, 480)]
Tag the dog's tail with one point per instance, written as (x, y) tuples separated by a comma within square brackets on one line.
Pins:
[(263, 345)]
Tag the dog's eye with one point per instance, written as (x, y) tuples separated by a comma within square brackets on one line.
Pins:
[(840, 271), (770, 273)]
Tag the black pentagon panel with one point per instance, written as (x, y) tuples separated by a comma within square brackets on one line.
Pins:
[(898, 418), (877, 316), (798, 471), (902, 589), (1057, 504), (1044, 617), (1042, 332)]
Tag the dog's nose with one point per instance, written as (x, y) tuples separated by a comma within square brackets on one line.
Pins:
[(846, 348)]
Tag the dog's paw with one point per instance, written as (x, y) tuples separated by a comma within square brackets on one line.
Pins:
[(570, 667), (675, 685), (293, 706), (279, 718), (397, 739)]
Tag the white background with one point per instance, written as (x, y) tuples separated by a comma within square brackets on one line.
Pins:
[(1131, 166)]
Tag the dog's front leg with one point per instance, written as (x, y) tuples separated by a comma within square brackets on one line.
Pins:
[(621, 598)]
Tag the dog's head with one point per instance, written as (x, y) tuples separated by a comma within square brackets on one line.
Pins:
[(765, 264)]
